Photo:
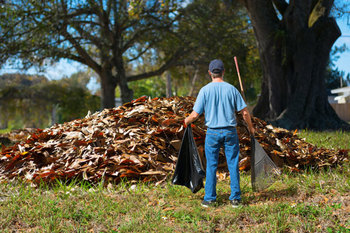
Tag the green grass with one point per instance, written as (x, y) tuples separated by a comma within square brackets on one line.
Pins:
[(332, 139), (298, 202), (3, 131), (307, 202)]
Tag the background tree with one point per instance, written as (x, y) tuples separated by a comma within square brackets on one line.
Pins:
[(294, 38), (32, 101), (105, 35), (213, 29), (208, 29), (20, 105), (334, 77)]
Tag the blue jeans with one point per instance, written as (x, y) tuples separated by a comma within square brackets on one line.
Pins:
[(214, 140)]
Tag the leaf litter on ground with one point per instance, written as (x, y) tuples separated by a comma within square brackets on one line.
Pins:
[(139, 141)]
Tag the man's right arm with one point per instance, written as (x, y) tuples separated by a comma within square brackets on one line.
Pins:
[(191, 118)]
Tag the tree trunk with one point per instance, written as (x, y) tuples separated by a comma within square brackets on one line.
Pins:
[(193, 82), (54, 114), (294, 52), (108, 85), (109, 81), (168, 85), (4, 124), (126, 93)]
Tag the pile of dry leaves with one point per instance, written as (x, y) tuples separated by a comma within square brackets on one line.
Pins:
[(140, 141)]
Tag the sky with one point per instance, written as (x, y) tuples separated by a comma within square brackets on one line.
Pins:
[(66, 68), (344, 61)]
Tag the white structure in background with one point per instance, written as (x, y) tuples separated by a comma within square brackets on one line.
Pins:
[(341, 103), (118, 102), (343, 95)]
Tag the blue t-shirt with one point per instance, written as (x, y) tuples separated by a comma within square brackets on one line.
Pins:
[(219, 101)]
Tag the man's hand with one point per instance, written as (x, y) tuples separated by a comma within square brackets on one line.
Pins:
[(191, 118), (186, 122), (252, 131)]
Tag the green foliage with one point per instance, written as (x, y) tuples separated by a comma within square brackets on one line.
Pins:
[(214, 29), (27, 102), (136, 37), (333, 76), (153, 87), (106, 36), (182, 77), (75, 102)]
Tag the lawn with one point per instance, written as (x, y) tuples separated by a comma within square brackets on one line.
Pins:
[(311, 201)]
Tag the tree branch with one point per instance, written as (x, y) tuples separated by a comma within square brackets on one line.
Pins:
[(82, 53), (75, 58), (281, 6), (79, 12), (159, 71), (109, 7), (85, 58), (264, 20), (87, 35), (87, 22), (132, 40), (139, 33), (140, 53)]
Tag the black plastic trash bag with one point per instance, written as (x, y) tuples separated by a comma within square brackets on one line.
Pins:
[(264, 170), (189, 170)]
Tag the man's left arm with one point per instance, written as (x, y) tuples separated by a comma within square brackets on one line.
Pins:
[(191, 118), (247, 118)]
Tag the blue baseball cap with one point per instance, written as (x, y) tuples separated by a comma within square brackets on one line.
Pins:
[(216, 66)]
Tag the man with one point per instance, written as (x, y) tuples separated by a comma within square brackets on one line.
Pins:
[(219, 101)]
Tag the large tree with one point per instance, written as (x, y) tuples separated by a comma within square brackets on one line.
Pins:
[(214, 29), (294, 38), (105, 35), (33, 101)]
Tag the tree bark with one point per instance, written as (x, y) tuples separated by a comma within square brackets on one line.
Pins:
[(108, 85), (54, 114), (193, 82), (126, 93), (168, 85), (294, 52)]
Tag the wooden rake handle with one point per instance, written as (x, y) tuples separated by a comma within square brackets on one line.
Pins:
[(239, 78)]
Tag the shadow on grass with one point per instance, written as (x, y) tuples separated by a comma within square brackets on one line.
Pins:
[(262, 196), (270, 195)]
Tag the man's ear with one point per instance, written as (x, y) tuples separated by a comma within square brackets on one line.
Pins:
[(210, 77)]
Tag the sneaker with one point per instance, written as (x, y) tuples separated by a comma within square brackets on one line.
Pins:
[(207, 204), (235, 203)]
